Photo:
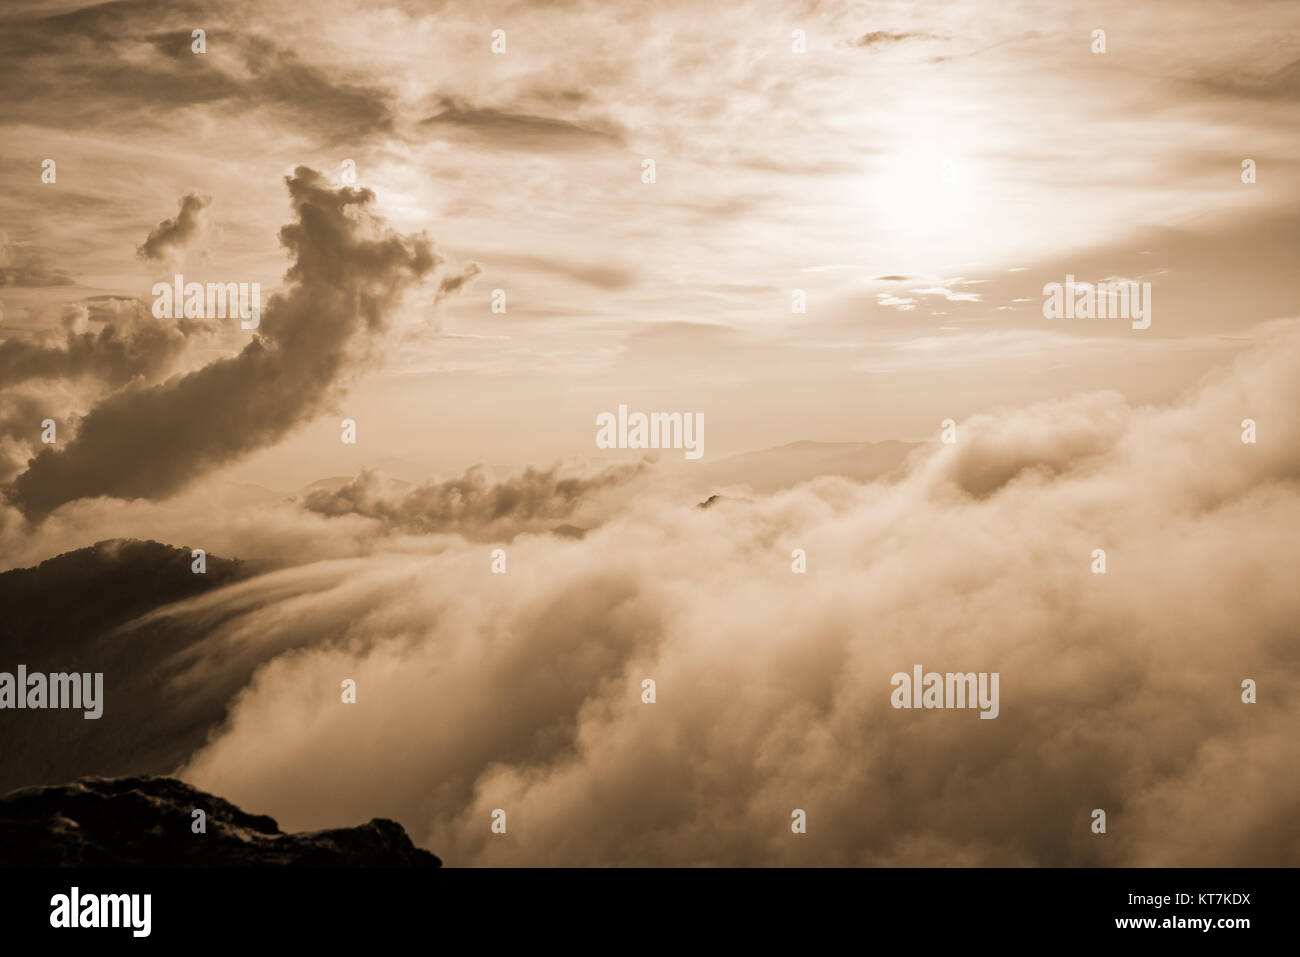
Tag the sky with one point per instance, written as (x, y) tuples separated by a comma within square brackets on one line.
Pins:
[(920, 172), (916, 174)]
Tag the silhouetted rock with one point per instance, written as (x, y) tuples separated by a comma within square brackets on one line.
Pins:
[(147, 822)]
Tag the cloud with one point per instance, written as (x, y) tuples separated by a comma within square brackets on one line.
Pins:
[(172, 235), (878, 38), (902, 303), (22, 264), (1281, 85), (470, 505), (452, 282), (50, 68), (129, 342), (948, 294), (607, 276), (523, 691), (21, 414), (348, 275), (102, 343), (521, 130)]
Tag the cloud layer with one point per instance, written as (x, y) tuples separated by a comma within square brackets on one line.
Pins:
[(522, 691)]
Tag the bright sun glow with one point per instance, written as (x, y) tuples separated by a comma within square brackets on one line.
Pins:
[(920, 191), (927, 193)]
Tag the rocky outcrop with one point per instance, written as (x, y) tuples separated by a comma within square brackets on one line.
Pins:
[(149, 822)]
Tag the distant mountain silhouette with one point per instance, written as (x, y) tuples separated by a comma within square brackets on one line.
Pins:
[(94, 589), (331, 484), (772, 470), (241, 495), (61, 616), (148, 822), (335, 482)]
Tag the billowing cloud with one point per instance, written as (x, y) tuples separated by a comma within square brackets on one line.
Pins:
[(523, 691), (470, 505), (172, 235), (21, 414), (130, 342), (348, 275), (101, 344)]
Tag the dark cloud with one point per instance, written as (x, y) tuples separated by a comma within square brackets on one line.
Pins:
[(470, 505), (521, 130), (887, 37), (67, 70), (563, 97), (1282, 85), (173, 235), (20, 428), (130, 343), (349, 273), (452, 282)]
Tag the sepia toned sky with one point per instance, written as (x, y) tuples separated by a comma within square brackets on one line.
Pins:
[(920, 171)]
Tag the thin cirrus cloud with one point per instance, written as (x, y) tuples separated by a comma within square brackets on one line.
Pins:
[(520, 131), (60, 57), (879, 38), (27, 265), (608, 276)]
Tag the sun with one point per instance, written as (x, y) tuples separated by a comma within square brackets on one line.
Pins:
[(921, 191), (923, 195)]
